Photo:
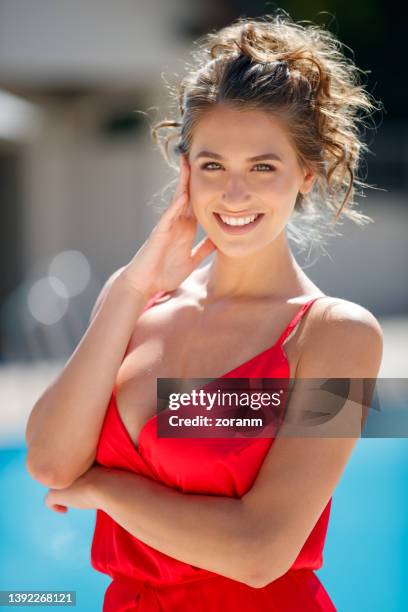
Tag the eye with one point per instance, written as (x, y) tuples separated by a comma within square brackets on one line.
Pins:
[(265, 167), (206, 166), (268, 167)]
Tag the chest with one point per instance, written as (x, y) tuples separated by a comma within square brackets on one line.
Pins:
[(171, 349)]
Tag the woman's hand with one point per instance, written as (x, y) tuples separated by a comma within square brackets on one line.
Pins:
[(81, 494), (167, 257)]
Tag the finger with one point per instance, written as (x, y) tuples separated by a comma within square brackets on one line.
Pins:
[(179, 202), (51, 503), (59, 508), (202, 250), (189, 212), (184, 176), (181, 194), (51, 497), (173, 211), (184, 173)]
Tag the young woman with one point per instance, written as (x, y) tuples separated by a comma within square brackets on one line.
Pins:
[(267, 135)]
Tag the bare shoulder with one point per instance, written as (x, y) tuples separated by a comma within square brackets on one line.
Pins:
[(342, 339), (334, 312)]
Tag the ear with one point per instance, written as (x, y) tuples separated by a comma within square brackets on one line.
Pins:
[(308, 181)]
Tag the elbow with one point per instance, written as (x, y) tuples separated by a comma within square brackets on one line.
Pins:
[(261, 577), (264, 563), (255, 581), (47, 475)]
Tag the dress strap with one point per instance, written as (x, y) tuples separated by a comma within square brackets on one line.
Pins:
[(298, 316)]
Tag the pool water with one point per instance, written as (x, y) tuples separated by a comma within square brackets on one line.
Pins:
[(42, 549), (365, 556)]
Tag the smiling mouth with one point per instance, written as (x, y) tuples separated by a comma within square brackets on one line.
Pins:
[(242, 228)]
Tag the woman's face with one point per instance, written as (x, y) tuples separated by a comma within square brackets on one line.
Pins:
[(224, 180)]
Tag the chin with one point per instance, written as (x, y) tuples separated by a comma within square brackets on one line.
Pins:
[(237, 250)]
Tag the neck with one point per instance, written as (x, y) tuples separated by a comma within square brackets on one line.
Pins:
[(269, 272)]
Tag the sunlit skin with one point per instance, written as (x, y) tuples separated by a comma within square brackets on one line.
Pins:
[(259, 262)]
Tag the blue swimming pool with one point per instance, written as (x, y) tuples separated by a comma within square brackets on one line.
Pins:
[(41, 549), (366, 552)]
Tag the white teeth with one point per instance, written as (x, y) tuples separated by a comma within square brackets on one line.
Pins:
[(239, 220)]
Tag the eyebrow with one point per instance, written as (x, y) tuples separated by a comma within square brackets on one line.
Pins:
[(250, 159)]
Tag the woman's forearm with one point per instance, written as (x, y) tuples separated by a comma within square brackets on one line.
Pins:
[(207, 531)]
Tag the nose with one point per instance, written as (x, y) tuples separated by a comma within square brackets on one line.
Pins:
[(235, 191)]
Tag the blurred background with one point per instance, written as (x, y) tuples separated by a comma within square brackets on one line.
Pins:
[(80, 178)]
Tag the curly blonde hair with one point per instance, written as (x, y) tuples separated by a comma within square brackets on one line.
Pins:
[(298, 71)]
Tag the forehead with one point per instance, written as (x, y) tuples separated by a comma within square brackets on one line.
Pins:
[(227, 130)]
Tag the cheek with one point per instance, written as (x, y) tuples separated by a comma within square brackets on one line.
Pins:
[(199, 181), (280, 185), (276, 181), (201, 189)]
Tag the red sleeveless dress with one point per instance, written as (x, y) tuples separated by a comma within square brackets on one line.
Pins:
[(147, 580)]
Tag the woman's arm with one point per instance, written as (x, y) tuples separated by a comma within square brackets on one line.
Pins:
[(210, 532), (308, 458), (64, 425)]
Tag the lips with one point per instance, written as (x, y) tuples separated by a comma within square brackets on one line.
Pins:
[(239, 229), (242, 214)]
